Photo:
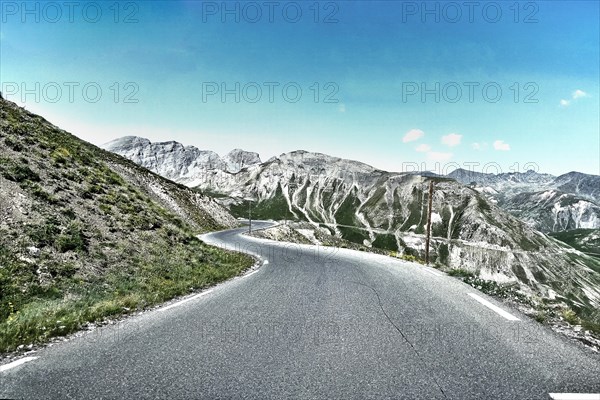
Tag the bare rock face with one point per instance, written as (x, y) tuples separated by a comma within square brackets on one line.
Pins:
[(183, 164), (545, 202), (171, 160), (584, 185), (554, 211), (237, 159)]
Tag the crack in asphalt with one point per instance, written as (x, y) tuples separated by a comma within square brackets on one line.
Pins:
[(421, 362)]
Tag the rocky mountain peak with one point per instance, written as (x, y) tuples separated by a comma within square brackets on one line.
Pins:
[(178, 162), (237, 159)]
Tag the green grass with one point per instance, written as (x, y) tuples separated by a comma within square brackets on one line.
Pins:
[(526, 243), (576, 238), (541, 316), (211, 193), (417, 209), (570, 316), (275, 208), (345, 214), (72, 239), (411, 258), (96, 242), (375, 199), (519, 272), (591, 321), (568, 200), (443, 254), (386, 242), (17, 171), (484, 206), (154, 275), (462, 273), (354, 235), (14, 144)]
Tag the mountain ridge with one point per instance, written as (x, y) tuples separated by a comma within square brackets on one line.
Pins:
[(114, 144), (504, 189), (360, 203)]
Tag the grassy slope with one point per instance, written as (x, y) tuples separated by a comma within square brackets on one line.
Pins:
[(274, 208), (581, 239), (346, 215), (80, 242)]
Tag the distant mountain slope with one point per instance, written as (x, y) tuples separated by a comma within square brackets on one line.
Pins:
[(586, 240), (177, 162), (362, 204), (584, 185), (85, 233), (554, 211), (237, 159), (515, 191), (545, 202), (501, 187), (502, 181)]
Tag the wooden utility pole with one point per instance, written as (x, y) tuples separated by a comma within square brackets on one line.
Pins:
[(250, 216), (428, 222)]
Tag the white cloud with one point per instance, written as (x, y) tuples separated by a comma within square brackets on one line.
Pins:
[(439, 156), (501, 146), (423, 148), (577, 94), (342, 108), (479, 146), (412, 135), (452, 139)]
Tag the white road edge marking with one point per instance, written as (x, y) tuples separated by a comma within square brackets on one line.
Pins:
[(497, 309), (204, 293), (185, 300), (575, 396), (432, 272), (253, 272), (16, 363)]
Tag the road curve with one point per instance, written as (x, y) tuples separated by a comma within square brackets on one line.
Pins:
[(315, 323)]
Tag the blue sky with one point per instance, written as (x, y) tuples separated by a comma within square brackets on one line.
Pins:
[(379, 81)]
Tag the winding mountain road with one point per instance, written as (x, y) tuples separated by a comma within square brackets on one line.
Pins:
[(315, 323)]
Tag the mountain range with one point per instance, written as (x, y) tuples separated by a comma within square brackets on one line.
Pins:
[(355, 201), (545, 202), (179, 163)]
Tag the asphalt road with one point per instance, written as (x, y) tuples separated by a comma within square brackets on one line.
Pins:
[(315, 323)]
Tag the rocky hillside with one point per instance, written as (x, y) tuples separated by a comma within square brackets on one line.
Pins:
[(545, 202), (584, 185), (554, 211), (585, 240), (85, 233), (359, 203), (504, 183), (572, 203), (174, 161)]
